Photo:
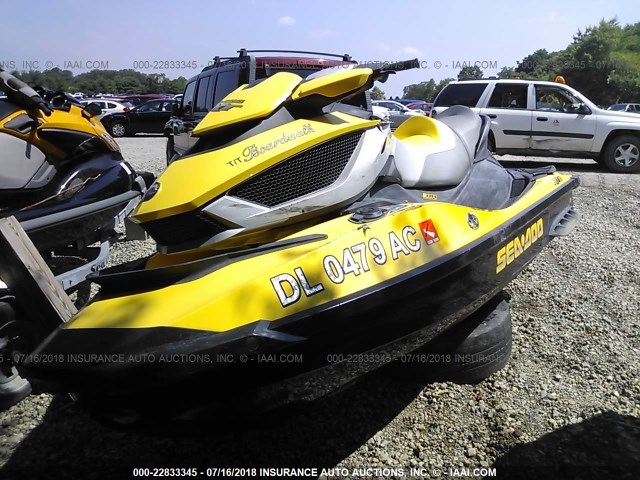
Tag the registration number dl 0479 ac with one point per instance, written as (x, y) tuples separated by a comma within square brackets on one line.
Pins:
[(355, 260)]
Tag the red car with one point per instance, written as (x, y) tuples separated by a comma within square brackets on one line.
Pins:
[(424, 107)]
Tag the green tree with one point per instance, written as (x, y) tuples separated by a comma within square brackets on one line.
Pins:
[(426, 91), (470, 71), (537, 65), (174, 86), (103, 81), (624, 76), (377, 94), (603, 62), (421, 91), (508, 72), (587, 63)]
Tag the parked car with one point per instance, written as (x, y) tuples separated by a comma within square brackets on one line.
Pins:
[(625, 107), (381, 113), (405, 101), (109, 106), (424, 107), (398, 113), (149, 117), (530, 117), (136, 100), (216, 81)]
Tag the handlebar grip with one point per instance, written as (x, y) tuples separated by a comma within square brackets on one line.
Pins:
[(21, 93), (42, 105), (403, 65)]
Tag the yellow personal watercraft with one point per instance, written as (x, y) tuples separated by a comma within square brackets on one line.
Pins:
[(299, 234), (61, 174), (64, 179)]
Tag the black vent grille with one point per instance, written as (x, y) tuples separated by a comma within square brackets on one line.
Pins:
[(302, 174), (184, 228)]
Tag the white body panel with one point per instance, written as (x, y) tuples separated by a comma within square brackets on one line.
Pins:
[(19, 162), (425, 159)]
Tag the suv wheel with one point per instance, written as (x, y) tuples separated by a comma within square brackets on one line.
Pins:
[(118, 129), (622, 154), (491, 144)]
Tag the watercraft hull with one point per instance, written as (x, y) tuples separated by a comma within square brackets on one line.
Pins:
[(301, 317), (108, 185)]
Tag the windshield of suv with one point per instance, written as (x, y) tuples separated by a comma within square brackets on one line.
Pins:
[(466, 94), (619, 106)]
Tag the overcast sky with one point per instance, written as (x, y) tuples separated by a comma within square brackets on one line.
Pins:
[(119, 33)]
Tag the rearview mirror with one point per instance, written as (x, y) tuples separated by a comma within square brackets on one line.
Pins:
[(175, 109), (579, 108), (583, 109)]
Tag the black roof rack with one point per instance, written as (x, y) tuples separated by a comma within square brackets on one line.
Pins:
[(493, 77), (345, 57), (243, 52)]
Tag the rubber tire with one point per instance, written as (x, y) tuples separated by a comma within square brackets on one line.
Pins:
[(120, 133), (491, 144), (470, 352), (608, 161)]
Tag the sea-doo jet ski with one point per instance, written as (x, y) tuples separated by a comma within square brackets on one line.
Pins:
[(297, 235), (64, 179), (63, 176)]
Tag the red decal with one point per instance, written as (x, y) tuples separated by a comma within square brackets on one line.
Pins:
[(429, 232)]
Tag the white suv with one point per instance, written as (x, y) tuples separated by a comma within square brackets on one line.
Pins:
[(530, 117)]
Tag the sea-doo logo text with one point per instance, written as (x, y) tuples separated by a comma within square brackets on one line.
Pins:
[(254, 151), (516, 247)]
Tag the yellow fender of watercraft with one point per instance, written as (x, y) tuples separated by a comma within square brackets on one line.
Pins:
[(249, 102), (58, 120), (210, 174), (334, 84)]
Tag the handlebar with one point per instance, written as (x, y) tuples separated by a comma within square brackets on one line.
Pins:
[(382, 71), (21, 93)]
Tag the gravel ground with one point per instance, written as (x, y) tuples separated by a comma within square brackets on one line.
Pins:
[(566, 406)]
